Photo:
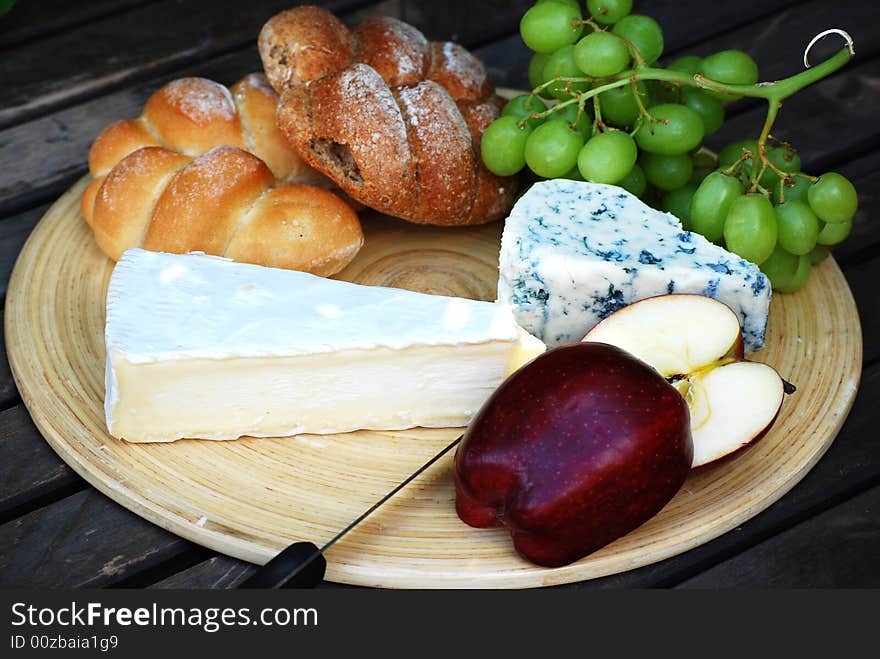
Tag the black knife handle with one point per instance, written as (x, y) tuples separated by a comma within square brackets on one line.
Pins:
[(301, 565)]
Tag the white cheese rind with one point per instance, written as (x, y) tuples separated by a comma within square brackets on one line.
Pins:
[(572, 253), (199, 346)]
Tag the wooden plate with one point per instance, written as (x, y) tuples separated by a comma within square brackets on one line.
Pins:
[(250, 498)]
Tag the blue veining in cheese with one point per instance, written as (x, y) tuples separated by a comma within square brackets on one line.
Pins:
[(572, 253)]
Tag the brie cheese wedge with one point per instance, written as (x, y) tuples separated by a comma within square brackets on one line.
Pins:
[(203, 347)]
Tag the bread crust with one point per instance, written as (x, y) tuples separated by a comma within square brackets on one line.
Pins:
[(302, 44), (115, 142), (299, 227), (194, 115), (369, 126), (364, 150), (227, 203), (440, 140), (126, 197), (459, 72), (396, 50)]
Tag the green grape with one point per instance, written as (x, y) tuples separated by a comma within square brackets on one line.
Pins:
[(673, 129), (710, 109), (750, 228), (607, 157), (833, 198), (606, 12), (536, 72), (678, 202), (819, 254), (548, 26), (635, 182), (704, 164), (783, 157), (561, 65), (644, 33), (619, 106), (552, 149), (798, 227), (662, 92), (732, 152), (503, 146), (574, 174), (796, 189), (569, 114), (731, 67), (667, 172), (686, 64), (834, 233), (601, 54), (787, 272), (801, 275), (711, 204), (520, 107)]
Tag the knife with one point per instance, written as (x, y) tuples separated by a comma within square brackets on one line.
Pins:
[(302, 564)]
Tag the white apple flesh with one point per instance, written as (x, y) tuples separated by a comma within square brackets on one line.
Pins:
[(696, 342), (731, 406)]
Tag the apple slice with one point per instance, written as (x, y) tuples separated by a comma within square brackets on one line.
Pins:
[(696, 343), (731, 406)]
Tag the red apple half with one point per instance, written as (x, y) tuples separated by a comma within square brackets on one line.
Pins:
[(696, 342), (578, 447)]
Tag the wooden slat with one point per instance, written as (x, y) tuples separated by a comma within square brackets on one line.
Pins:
[(30, 471), (28, 21), (8, 391), (123, 47), (83, 541), (13, 233), (863, 279), (464, 21), (218, 572), (777, 43), (837, 549)]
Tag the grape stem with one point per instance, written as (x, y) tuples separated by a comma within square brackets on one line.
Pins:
[(773, 92)]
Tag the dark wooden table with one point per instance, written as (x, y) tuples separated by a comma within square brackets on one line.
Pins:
[(69, 68)]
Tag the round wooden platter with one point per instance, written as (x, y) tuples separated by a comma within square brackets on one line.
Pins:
[(251, 497)]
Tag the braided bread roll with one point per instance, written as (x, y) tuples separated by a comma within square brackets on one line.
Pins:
[(225, 202), (392, 119), (194, 115)]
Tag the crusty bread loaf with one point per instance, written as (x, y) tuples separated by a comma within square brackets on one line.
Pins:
[(392, 119), (194, 115), (225, 202)]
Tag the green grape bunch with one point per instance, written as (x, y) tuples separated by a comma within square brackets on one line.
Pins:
[(602, 109)]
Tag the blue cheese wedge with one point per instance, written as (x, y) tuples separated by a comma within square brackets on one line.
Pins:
[(200, 346), (572, 253)]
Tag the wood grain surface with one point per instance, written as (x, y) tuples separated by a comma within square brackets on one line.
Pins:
[(250, 498)]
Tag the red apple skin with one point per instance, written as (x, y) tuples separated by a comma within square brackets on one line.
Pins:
[(577, 448)]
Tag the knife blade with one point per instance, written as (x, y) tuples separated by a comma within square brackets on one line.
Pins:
[(302, 564)]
